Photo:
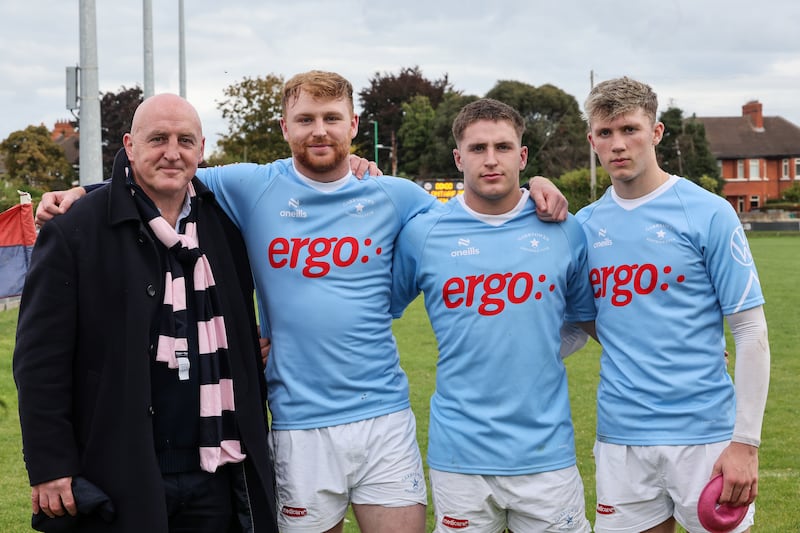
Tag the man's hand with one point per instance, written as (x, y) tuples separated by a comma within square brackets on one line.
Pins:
[(54, 497), (361, 166), (265, 345), (56, 203), (551, 205), (738, 464)]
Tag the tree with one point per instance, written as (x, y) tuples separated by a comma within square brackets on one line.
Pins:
[(711, 184), (253, 110), (684, 149), (383, 102), (437, 160), (576, 186), (116, 114), (555, 133), (35, 160), (792, 194), (415, 133)]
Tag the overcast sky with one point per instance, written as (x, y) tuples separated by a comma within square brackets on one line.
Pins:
[(707, 57)]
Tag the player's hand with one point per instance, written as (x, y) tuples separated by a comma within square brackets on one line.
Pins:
[(738, 464), (362, 166), (265, 345), (551, 205), (56, 203), (54, 498)]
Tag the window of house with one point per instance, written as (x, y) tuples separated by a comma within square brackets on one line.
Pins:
[(754, 166), (797, 168), (785, 172), (754, 202), (740, 204), (740, 169)]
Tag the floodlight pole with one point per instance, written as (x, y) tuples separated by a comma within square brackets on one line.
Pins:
[(90, 146), (592, 159), (181, 51), (147, 25), (375, 140)]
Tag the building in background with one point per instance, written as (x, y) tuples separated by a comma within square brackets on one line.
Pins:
[(66, 137), (759, 157)]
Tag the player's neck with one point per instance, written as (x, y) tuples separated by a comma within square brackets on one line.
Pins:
[(328, 176), (492, 206), (641, 185)]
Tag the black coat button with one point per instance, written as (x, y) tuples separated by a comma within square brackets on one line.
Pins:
[(151, 291)]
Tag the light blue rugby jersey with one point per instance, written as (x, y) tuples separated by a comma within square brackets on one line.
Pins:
[(496, 297), (322, 267), (664, 271)]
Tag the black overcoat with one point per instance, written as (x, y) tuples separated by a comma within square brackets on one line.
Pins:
[(83, 350)]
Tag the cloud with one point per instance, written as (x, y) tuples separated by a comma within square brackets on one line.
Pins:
[(707, 57)]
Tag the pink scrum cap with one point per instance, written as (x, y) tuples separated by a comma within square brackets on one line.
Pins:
[(716, 517)]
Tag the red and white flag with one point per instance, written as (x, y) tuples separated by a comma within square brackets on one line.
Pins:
[(17, 237)]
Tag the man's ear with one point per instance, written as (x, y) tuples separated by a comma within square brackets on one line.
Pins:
[(283, 128), (658, 133), (457, 159), (523, 160)]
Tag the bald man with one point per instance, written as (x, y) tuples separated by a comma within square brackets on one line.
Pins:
[(137, 359)]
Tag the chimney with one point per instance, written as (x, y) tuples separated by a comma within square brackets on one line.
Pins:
[(62, 129), (752, 110)]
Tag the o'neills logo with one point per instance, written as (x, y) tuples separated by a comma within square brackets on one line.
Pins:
[(294, 512), (294, 211), (605, 509), (454, 523)]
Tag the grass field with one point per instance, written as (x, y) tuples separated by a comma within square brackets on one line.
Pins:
[(778, 259)]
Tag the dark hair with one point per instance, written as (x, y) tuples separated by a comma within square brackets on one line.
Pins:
[(486, 109)]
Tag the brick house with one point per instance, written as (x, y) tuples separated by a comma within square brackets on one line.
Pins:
[(66, 137), (759, 157)]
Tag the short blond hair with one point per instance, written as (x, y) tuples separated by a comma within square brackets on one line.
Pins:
[(319, 84), (619, 96)]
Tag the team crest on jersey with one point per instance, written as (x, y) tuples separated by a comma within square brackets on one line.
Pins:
[(464, 247), (359, 207), (660, 234), (294, 210), (534, 242), (603, 239)]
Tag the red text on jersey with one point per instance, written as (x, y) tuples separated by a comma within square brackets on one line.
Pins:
[(493, 291)]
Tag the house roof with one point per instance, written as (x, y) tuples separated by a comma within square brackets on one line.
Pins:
[(736, 138), (70, 146)]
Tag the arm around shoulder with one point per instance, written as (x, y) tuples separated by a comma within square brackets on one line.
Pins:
[(56, 203)]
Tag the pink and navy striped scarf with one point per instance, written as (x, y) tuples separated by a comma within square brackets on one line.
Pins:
[(219, 436)]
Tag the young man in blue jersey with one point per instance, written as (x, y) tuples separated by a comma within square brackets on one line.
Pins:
[(501, 446), (320, 244), (667, 260)]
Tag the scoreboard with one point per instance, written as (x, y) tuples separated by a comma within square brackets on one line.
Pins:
[(443, 189)]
